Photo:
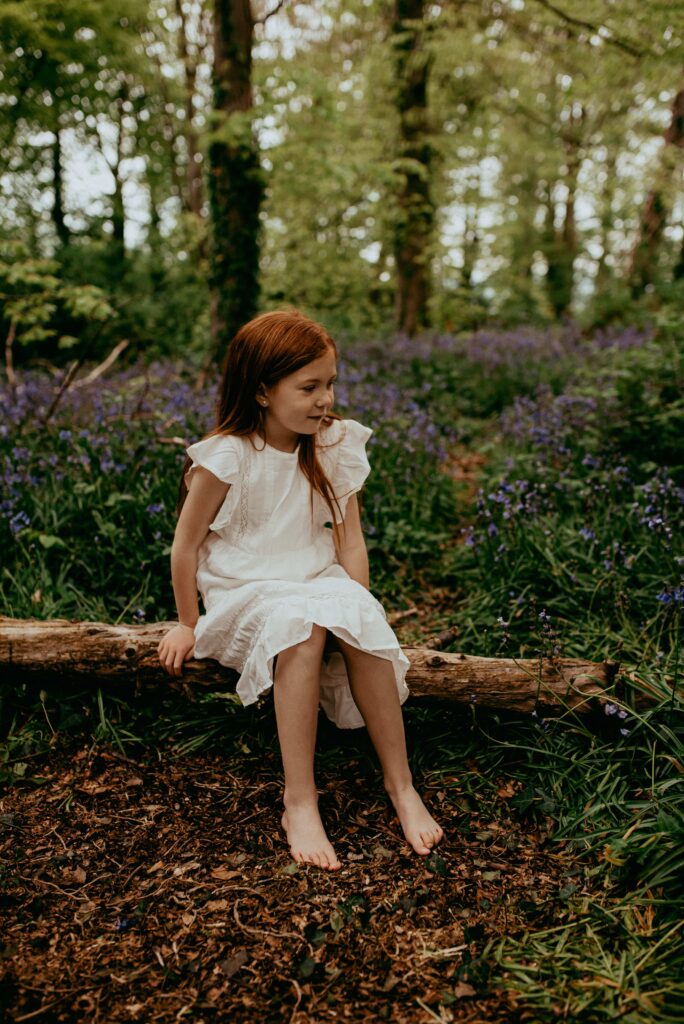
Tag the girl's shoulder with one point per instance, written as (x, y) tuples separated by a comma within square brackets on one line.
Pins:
[(222, 454)]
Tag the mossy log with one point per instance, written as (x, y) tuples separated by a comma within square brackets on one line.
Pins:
[(87, 653)]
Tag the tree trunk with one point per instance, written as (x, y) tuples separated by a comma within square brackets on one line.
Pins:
[(561, 251), (61, 228), (603, 271), (118, 245), (194, 196), (644, 260), (96, 653), (236, 184), (415, 219)]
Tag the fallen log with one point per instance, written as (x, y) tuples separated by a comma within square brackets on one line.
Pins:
[(86, 653)]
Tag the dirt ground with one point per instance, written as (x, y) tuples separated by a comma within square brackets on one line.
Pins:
[(163, 890)]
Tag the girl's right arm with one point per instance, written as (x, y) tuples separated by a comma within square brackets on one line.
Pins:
[(204, 498)]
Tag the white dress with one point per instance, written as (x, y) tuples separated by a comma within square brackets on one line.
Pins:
[(267, 569)]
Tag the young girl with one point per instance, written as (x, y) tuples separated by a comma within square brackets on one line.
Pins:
[(269, 532)]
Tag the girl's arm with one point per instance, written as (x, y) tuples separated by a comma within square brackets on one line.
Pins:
[(351, 548), (203, 501)]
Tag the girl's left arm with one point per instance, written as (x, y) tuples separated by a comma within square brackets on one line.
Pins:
[(351, 547)]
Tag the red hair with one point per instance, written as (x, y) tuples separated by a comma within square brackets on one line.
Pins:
[(268, 348)]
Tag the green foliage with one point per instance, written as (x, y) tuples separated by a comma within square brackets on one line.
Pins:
[(39, 306)]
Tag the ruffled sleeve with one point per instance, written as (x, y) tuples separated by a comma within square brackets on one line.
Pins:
[(221, 454), (351, 466)]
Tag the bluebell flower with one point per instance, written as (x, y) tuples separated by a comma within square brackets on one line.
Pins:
[(19, 522), (587, 533)]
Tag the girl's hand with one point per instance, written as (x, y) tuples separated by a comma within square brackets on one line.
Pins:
[(175, 648)]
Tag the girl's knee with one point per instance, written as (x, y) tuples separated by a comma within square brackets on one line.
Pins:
[(307, 650)]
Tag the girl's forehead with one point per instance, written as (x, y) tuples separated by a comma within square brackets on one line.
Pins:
[(317, 367)]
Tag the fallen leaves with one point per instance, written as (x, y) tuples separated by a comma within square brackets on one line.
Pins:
[(156, 910)]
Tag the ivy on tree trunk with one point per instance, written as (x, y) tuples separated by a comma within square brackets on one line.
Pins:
[(415, 209), (236, 185)]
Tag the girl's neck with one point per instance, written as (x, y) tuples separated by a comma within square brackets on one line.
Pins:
[(283, 444)]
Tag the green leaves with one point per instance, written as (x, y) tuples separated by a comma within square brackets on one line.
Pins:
[(35, 298)]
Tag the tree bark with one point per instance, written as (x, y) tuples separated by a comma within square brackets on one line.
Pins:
[(94, 653), (61, 228), (415, 219), (194, 196), (562, 243), (236, 186), (644, 259)]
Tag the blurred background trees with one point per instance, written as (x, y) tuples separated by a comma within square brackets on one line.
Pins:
[(381, 165)]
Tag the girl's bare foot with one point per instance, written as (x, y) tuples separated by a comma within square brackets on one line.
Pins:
[(305, 833), (420, 828)]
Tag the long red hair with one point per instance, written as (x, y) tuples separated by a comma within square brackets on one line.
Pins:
[(268, 348)]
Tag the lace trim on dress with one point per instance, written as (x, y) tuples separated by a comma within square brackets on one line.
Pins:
[(244, 493)]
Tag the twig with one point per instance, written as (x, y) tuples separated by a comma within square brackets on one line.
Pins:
[(9, 365), (443, 639), (299, 999), (398, 616), (262, 21), (614, 40), (267, 931), (68, 377)]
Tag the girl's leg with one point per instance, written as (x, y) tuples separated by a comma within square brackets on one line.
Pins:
[(374, 689), (296, 695)]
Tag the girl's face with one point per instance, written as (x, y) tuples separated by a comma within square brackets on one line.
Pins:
[(297, 403)]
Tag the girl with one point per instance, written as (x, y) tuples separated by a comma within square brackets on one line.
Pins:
[(269, 532)]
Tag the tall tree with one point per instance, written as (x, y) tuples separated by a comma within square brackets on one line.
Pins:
[(644, 259), (415, 210), (236, 185)]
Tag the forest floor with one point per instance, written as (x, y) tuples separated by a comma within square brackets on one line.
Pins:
[(162, 889), (159, 887)]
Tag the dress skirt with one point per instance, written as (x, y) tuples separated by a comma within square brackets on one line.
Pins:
[(246, 625)]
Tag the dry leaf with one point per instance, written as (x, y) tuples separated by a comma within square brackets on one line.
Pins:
[(223, 873), (233, 964), (84, 912), (214, 905)]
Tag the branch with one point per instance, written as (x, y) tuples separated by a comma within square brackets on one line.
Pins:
[(104, 365), (629, 48), (262, 21)]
